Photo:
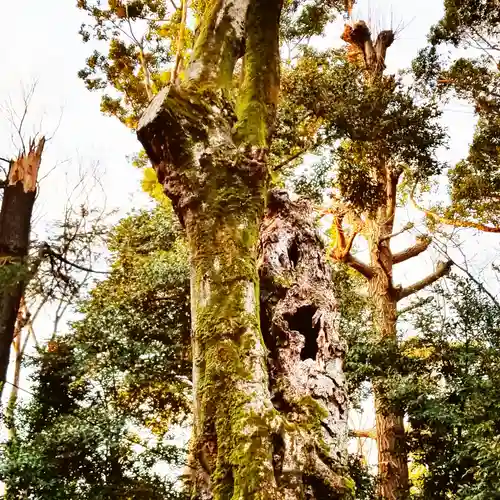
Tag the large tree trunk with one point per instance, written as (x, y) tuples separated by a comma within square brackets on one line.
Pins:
[(210, 156), (15, 223), (300, 329)]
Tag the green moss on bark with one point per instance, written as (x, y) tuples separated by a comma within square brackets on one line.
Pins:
[(218, 46), (259, 90), (223, 235)]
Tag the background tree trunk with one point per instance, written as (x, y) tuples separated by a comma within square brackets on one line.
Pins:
[(15, 224), (391, 442)]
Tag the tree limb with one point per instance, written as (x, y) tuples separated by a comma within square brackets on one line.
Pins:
[(452, 222), (442, 269), (421, 246), (408, 226), (73, 264), (357, 265), (415, 305)]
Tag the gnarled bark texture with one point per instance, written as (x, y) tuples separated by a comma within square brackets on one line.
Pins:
[(15, 223), (210, 152), (299, 325)]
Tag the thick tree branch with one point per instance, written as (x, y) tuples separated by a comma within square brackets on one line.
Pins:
[(362, 268), (442, 269), (421, 246)]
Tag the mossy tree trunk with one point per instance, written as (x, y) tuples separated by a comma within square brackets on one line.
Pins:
[(19, 194), (208, 143)]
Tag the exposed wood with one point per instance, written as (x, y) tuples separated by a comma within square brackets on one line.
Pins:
[(361, 47), (15, 224), (25, 168)]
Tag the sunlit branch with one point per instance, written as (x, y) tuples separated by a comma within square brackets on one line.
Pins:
[(421, 246), (442, 269), (453, 222)]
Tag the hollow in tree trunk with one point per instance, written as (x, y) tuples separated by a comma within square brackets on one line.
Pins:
[(210, 154)]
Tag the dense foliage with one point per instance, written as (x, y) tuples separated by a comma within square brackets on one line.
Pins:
[(452, 396), (106, 395), (474, 181)]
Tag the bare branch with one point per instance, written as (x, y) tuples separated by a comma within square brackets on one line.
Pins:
[(442, 269), (408, 226), (419, 303), (73, 264), (441, 247), (422, 245), (361, 267)]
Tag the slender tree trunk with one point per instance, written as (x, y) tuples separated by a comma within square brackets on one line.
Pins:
[(15, 222), (391, 443), (211, 157), (18, 350)]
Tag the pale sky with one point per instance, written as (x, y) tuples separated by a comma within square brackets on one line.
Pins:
[(40, 42)]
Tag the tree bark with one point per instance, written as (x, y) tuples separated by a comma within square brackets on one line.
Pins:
[(299, 325), (15, 224), (391, 442), (210, 154)]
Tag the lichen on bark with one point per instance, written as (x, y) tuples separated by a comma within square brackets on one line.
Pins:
[(299, 324), (208, 144)]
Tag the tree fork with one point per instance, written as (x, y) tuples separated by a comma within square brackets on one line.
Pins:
[(210, 156)]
